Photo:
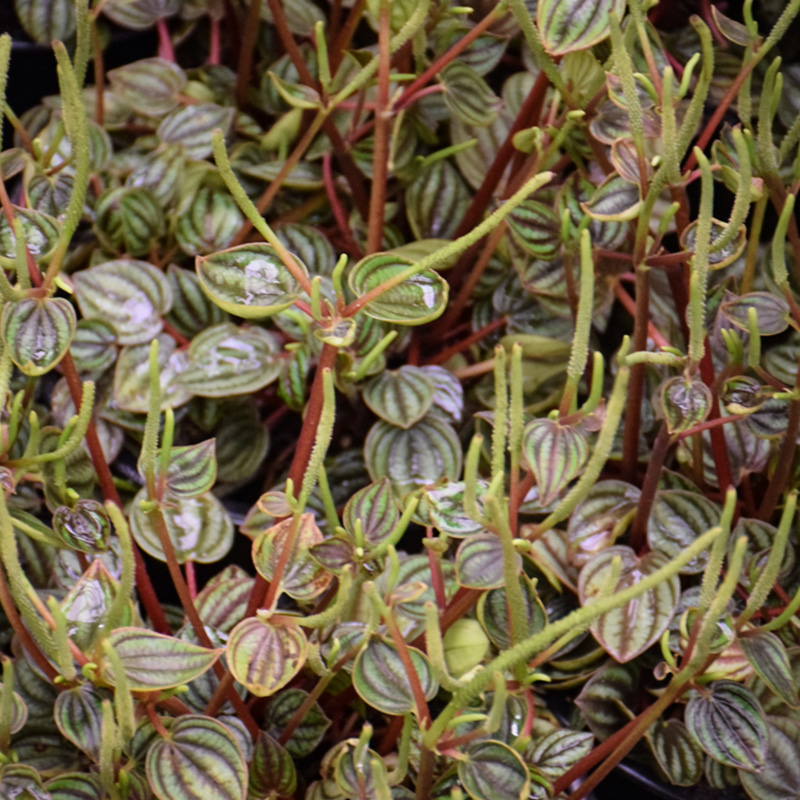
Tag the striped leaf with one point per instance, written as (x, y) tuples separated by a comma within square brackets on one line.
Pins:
[(443, 508), (210, 223), (310, 244), (381, 680), (225, 360), (676, 520), (601, 517), (249, 281), (129, 220), (374, 510), (192, 310), (717, 259), (560, 750), (436, 201), (607, 697), (40, 231), (417, 300), (536, 228), (448, 395), (493, 613), (401, 397), (780, 777), (21, 781), (768, 657), (78, 714), (75, 786), (46, 20), (191, 470), (37, 333), (685, 403), (199, 528), (308, 734), (356, 777), (201, 758), (149, 86), (153, 662), (160, 171), (129, 295), (760, 537), (303, 578), (272, 771), (222, 601), (92, 346), (264, 657), (139, 15), (19, 711), (676, 752), (615, 200), (570, 25), (493, 771), (556, 455), (479, 562), (416, 569), (467, 95), (629, 630), (132, 376), (191, 127), (772, 312), (729, 724), (422, 455), (242, 442)]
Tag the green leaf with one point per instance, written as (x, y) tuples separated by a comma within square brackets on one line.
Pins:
[(401, 397), (443, 508), (264, 657), (479, 562), (780, 777), (493, 771), (556, 454), (75, 786), (139, 14), (717, 259), (768, 657), (303, 578), (78, 714), (607, 697), (160, 171), (467, 95), (242, 442), (40, 230), (200, 759), (249, 281), (192, 469), (46, 20), (225, 360), (676, 520), (296, 95), (465, 646), (19, 712), (199, 527), (676, 752), (570, 25), (380, 678), (92, 346), (308, 734), (37, 333), (615, 200), (132, 376), (152, 661), (21, 781), (192, 310), (601, 517), (210, 224), (420, 299), (729, 724), (129, 295), (191, 127), (373, 506), (223, 600), (84, 527), (422, 455), (149, 86), (685, 402), (772, 312), (272, 770), (129, 220), (494, 613), (536, 228), (559, 751), (629, 630)]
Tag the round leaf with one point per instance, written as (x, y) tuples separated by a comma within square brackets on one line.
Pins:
[(556, 454), (436, 201), (570, 25), (479, 562), (401, 397), (493, 771)]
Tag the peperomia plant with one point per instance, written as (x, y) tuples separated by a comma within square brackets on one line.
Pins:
[(389, 376)]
